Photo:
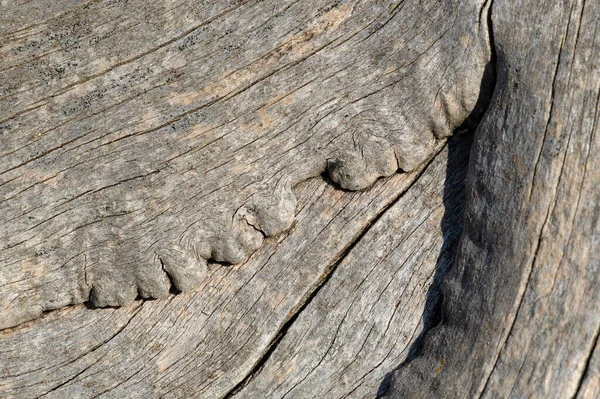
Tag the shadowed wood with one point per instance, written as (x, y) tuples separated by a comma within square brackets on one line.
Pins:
[(364, 321), (521, 307)]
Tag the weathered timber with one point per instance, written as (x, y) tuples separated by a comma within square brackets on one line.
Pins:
[(521, 312), (368, 317), (148, 148), (205, 342), (142, 140)]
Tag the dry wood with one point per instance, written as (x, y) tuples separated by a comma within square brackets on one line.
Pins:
[(141, 140), (521, 314), (153, 147), (202, 344), (365, 320)]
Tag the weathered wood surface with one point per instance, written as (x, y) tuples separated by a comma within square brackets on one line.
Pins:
[(141, 140), (145, 144), (368, 317), (521, 314), (203, 344), (110, 150)]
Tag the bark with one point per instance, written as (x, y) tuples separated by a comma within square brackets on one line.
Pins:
[(261, 199)]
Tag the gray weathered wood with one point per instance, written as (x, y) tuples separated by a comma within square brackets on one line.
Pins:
[(144, 146), (521, 314), (589, 386), (364, 321), (203, 343), (141, 140)]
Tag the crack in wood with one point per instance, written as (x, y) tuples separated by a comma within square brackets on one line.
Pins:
[(315, 291)]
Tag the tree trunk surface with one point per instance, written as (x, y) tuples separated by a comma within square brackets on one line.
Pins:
[(264, 199), (521, 313)]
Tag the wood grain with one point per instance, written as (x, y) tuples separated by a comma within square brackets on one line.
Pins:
[(521, 308), (369, 316), (142, 140), (215, 148), (204, 343)]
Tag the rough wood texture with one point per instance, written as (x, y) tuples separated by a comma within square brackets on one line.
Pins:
[(211, 147), (367, 318), (141, 140), (202, 344), (521, 314)]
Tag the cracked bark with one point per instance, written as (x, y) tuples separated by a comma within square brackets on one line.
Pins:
[(219, 119)]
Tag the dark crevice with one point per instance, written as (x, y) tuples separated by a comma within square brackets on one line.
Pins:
[(326, 276), (451, 226), (173, 290), (586, 369), (257, 229)]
